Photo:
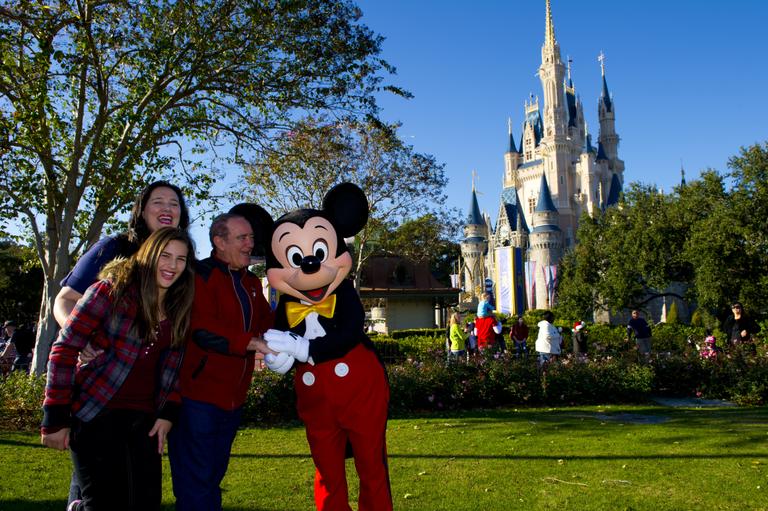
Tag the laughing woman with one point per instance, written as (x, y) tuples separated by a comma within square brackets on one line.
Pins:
[(115, 411)]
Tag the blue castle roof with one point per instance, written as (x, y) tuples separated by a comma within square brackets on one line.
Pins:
[(614, 193), (534, 119), (545, 197), (570, 100), (600, 152), (475, 217), (531, 163), (512, 208), (546, 228), (512, 146), (605, 97), (588, 144)]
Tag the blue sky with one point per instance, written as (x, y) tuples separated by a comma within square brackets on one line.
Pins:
[(688, 79)]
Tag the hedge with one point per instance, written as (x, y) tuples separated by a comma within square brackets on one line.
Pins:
[(430, 384)]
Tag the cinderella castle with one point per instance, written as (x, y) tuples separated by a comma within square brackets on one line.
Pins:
[(553, 176)]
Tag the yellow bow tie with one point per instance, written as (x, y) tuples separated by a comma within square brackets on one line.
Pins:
[(296, 311)]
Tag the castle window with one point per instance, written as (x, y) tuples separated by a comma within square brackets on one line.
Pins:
[(531, 204)]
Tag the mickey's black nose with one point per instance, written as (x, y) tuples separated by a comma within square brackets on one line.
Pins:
[(310, 264)]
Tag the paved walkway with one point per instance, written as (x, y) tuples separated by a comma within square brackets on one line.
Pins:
[(691, 402)]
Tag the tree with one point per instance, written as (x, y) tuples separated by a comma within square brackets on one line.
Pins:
[(99, 97), (20, 282), (703, 235), (426, 238), (625, 255), (747, 228), (398, 182), (673, 316)]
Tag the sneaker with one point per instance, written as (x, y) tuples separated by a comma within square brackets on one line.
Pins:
[(74, 505)]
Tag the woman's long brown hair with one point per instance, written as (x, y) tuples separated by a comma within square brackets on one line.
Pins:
[(140, 271)]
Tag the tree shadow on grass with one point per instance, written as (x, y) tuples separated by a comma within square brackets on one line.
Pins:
[(18, 443), (59, 505), (38, 505), (534, 457)]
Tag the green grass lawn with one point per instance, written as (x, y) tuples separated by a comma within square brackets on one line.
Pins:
[(586, 458)]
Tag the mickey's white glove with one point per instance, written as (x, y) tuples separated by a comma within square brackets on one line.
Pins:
[(288, 342), (280, 363)]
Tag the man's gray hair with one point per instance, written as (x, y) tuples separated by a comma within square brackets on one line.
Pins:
[(219, 226)]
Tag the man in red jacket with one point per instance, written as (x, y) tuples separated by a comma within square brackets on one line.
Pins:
[(229, 316)]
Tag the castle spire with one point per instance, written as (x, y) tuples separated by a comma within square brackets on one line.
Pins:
[(475, 217), (549, 34), (605, 97), (545, 202), (614, 192), (512, 145)]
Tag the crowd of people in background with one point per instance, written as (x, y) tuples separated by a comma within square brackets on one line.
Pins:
[(485, 332)]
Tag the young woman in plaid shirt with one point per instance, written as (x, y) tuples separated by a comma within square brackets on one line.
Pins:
[(115, 411)]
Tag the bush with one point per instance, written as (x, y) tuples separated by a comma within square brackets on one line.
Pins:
[(396, 351), (427, 383), (677, 374), (271, 398), (608, 379), (21, 401), (421, 332)]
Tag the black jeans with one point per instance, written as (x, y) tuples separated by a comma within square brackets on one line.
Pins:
[(116, 461)]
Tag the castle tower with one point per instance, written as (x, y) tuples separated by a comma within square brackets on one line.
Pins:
[(551, 73), (555, 173), (546, 247), (557, 151), (608, 137), (511, 159), (474, 247)]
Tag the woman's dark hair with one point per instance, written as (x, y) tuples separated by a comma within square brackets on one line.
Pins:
[(138, 231), (548, 316)]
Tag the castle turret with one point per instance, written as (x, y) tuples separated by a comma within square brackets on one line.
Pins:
[(533, 131), (607, 115), (511, 159), (474, 247), (546, 246), (614, 192), (551, 73), (556, 149)]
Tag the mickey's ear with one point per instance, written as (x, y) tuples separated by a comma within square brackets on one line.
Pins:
[(261, 223), (347, 206)]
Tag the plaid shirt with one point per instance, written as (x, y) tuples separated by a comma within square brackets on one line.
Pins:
[(83, 391)]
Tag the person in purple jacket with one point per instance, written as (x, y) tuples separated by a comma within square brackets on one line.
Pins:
[(159, 204)]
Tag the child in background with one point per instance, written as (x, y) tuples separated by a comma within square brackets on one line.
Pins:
[(484, 308), (471, 338), (709, 349)]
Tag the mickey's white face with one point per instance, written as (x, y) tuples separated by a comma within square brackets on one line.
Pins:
[(309, 270)]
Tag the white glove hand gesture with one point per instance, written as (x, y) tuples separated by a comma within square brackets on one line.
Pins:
[(293, 344), (280, 363)]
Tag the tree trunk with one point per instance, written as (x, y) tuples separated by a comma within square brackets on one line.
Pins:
[(47, 328)]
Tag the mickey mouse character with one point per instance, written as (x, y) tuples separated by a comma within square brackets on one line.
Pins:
[(341, 386)]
